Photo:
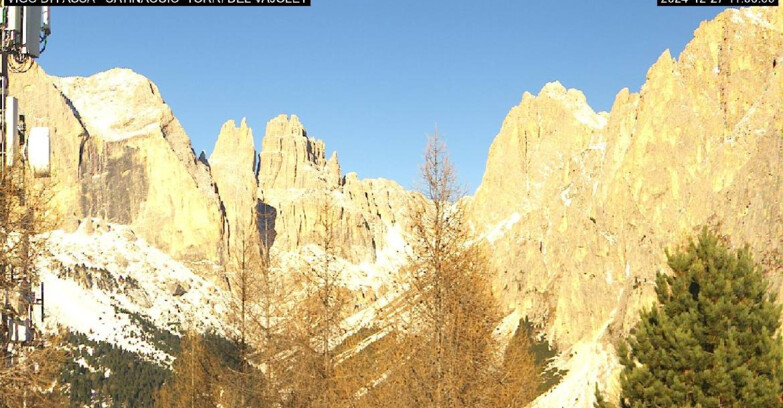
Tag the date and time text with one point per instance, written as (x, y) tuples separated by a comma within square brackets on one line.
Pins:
[(725, 3)]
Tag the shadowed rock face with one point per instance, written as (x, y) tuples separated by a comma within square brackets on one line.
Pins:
[(584, 204), (119, 152), (280, 194), (232, 165), (295, 178), (580, 203), (577, 205), (114, 183), (266, 218)]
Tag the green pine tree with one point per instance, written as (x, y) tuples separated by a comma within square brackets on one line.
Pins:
[(711, 341)]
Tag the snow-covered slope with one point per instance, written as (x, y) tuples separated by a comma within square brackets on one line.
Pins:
[(102, 101), (106, 282), (112, 286)]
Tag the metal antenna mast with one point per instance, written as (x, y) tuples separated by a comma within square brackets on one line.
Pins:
[(23, 34)]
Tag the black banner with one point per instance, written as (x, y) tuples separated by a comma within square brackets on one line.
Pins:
[(717, 3), (304, 3)]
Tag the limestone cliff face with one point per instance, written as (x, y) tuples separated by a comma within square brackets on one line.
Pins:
[(591, 200), (279, 206), (43, 105), (119, 153), (535, 194), (295, 179), (534, 144), (233, 164), (290, 159)]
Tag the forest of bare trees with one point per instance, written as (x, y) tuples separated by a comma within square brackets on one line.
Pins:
[(292, 350), (448, 355), (30, 361), (288, 346)]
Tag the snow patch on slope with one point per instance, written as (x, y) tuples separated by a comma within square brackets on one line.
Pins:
[(388, 260), (109, 284), (505, 331), (586, 363), (575, 101), (502, 227), (753, 15), (103, 101)]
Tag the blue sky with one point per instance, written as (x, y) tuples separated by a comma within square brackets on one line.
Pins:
[(373, 77)]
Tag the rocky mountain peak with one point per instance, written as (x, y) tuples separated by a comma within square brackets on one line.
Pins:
[(556, 124), (572, 100), (577, 205), (116, 104), (235, 144), (232, 165), (291, 159), (584, 221), (281, 126), (119, 152)]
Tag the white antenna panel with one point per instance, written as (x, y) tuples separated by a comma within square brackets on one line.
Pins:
[(39, 151), (11, 133), (46, 24), (14, 18), (31, 31), (22, 334)]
